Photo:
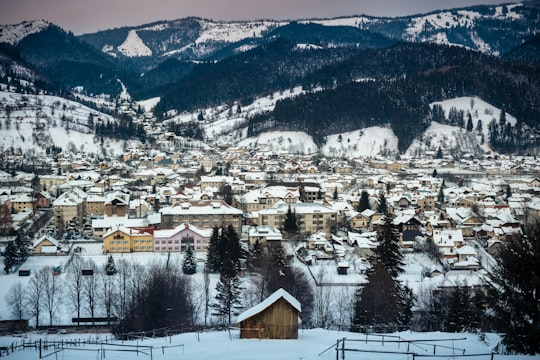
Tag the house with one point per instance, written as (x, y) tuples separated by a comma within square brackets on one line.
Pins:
[(47, 245), (204, 214), (125, 240), (68, 207), (408, 238), (274, 318), (364, 243), (117, 204), (447, 240), (311, 217), (43, 200), (179, 238), (361, 220), (264, 235), (407, 221), (22, 201), (464, 219), (95, 204)]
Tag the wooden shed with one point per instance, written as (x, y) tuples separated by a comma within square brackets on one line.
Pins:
[(274, 318)]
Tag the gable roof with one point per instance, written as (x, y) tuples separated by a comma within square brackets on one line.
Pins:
[(278, 294)]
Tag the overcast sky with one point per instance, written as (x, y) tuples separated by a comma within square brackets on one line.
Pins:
[(84, 16)]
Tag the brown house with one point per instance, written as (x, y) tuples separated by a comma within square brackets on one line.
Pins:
[(274, 318)]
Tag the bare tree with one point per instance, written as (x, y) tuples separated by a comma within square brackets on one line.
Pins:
[(206, 275), (108, 294), (52, 292), (344, 306), (75, 285), (15, 300), (33, 298), (124, 273), (322, 302), (90, 288)]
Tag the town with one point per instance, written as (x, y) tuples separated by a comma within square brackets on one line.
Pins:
[(461, 211)]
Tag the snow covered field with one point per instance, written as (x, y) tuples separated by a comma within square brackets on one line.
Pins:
[(311, 344)]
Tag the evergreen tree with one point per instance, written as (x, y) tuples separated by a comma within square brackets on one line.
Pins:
[(290, 225), (439, 154), (255, 256), (23, 245), (469, 126), (224, 247), (438, 113), (508, 192), (479, 126), (440, 195), (378, 302), (457, 313), (189, 266), (434, 173), (213, 253), (228, 301), (10, 256), (382, 207), (388, 252), (232, 251), (515, 292), (364, 202), (336, 195), (110, 266)]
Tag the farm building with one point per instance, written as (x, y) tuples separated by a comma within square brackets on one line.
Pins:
[(274, 318)]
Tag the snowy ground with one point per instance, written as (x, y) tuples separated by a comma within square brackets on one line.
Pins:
[(311, 344)]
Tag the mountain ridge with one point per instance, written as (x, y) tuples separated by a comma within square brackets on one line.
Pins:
[(193, 64)]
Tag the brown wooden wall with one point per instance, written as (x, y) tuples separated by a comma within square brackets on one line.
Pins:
[(278, 321)]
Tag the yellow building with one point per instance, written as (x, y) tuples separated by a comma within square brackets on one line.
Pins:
[(310, 217), (125, 240)]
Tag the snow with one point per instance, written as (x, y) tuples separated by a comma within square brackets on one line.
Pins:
[(449, 137), (46, 112), (344, 21), (311, 344), (233, 31), (361, 143), (292, 142), (450, 19), (133, 46), (12, 34), (148, 104)]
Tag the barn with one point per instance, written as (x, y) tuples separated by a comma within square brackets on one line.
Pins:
[(274, 318)]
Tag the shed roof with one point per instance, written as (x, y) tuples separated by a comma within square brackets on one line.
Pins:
[(278, 294)]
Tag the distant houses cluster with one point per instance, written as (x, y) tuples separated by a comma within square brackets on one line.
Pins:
[(141, 206)]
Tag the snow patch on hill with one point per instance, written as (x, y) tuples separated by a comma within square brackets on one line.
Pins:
[(355, 21), (293, 142), (32, 123), (458, 18), (12, 34), (133, 46), (233, 31), (455, 140), (366, 142)]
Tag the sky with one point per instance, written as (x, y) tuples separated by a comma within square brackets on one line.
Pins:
[(87, 16)]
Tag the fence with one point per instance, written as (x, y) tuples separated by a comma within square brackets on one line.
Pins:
[(48, 348), (429, 348)]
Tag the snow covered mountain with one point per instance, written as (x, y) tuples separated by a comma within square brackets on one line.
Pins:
[(12, 34), (341, 76), (490, 29)]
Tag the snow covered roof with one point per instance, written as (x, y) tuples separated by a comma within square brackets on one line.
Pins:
[(278, 294), (167, 233)]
